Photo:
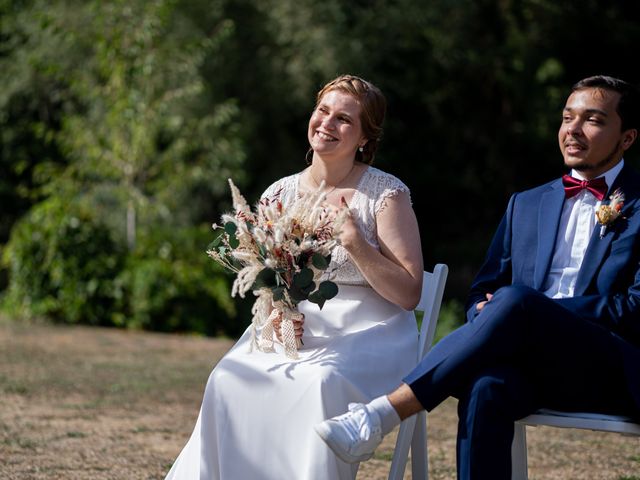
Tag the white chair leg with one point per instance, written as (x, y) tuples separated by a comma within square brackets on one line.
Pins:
[(519, 453), (401, 452), (419, 451)]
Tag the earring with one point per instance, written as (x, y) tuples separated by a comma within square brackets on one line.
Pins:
[(309, 156), (361, 149)]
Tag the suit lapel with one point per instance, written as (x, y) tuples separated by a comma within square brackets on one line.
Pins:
[(548, 221), (598, 247)]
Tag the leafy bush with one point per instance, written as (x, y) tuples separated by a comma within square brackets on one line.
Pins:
[(62, 263), (452, 316), (169, 284)]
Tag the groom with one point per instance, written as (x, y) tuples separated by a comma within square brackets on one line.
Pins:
[(554, 313)]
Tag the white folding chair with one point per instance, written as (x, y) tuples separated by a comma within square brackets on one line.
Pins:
[(553, 418), (413, 430)]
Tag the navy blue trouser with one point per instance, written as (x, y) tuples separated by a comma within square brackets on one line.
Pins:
[(522, 352)]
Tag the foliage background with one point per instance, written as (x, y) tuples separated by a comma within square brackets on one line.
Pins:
[(121, 120)]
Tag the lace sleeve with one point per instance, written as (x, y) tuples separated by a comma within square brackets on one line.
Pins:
[(389, 186)]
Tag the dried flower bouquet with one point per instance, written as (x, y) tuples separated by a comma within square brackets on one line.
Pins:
[(281, 254)]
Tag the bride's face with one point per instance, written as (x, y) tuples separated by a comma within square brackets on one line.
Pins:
[(335, 130)]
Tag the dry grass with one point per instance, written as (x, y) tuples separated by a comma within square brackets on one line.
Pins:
[(91, 403)]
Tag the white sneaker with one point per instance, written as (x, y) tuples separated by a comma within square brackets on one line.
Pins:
[(353, 436)]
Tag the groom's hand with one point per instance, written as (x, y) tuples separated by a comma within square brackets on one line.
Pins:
[(481, 305)]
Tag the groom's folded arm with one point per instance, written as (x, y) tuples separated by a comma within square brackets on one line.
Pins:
[(496, 269)]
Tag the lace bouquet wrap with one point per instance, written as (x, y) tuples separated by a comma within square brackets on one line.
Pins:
[(280, 254)]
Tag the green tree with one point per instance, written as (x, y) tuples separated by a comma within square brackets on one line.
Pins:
[(147, 107), (142, 125), (32, 101), (145, 150)]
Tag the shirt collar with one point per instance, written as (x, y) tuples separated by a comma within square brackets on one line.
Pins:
[(609, 176)]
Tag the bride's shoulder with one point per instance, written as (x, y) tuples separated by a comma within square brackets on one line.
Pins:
[(382, 182), (283, 186)]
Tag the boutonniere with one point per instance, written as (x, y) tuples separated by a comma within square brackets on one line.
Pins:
[(607, 214)]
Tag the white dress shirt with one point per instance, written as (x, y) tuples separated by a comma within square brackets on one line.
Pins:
[(577, 222)]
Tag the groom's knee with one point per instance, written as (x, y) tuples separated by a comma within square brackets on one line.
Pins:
[(507, 308), (515, 302)]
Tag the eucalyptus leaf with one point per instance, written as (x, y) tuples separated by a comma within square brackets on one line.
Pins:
[(317, 298), (216, 242), (309, 288), (233, 241), (303, 278), (297, 295), (328, 289), (278, 293), (266, 278), (319, 261), (231, 228)]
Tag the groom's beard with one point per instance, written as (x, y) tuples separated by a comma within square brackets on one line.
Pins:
[(602, 163)]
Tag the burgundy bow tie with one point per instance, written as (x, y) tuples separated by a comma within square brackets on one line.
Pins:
[(573, 186)]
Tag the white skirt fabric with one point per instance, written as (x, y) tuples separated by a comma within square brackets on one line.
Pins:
[(258, 411)]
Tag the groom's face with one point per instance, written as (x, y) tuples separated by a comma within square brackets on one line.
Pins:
[(590, 136)]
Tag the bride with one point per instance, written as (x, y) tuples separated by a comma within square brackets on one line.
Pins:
[(257, 415)]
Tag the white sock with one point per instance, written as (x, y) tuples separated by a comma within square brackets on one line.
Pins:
[(389, 418)]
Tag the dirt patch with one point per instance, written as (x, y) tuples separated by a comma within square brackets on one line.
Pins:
[(91, 403)]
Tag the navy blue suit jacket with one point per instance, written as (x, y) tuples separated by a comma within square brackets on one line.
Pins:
[(608, 286)]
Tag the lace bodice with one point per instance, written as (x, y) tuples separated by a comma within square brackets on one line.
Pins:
[(374, 188)]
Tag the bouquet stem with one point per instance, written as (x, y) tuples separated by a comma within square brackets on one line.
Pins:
[(287, 331)]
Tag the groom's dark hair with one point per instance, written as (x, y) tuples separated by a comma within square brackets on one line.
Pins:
[(629, 104)]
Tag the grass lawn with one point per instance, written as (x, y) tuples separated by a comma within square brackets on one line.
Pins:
[(93, 403)]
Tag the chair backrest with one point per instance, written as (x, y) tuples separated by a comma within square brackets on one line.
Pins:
[(413, 430), (430, 302)]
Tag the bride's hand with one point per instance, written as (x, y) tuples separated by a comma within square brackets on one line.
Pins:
[(350, 236), (297, 326)]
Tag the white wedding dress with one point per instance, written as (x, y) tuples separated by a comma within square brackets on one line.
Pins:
[(258, 411)]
